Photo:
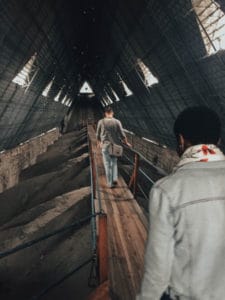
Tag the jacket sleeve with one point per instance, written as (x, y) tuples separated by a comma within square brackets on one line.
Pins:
[(98, 131), (160, 247)]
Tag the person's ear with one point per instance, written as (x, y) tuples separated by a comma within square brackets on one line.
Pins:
[(181, 141), (180, 145)]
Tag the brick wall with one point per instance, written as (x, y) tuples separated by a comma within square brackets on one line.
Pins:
[(161, 157), (14, 160)]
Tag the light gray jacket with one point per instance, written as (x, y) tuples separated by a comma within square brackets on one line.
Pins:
[(186, 244)]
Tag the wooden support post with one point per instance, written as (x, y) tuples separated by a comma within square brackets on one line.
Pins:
[(131, 180), (103, 248), (136, 167)]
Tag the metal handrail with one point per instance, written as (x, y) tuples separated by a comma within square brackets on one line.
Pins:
[(93, 221), (159, 170), (97, 184), (134, 177)]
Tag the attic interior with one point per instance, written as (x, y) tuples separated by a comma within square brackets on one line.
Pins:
[(148, 59)]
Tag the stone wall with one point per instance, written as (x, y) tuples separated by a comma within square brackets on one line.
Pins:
[(160, 156), (24, 155)]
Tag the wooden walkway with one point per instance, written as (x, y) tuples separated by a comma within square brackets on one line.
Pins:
[(126, 232)]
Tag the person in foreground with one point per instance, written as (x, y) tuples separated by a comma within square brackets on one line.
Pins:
[(109, 130), (185, 253)]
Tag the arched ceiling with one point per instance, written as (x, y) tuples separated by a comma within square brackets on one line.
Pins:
[(102, 42)]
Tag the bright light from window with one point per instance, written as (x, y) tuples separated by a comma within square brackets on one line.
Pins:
[(211, 21), (64, 99), (115, 95), (102, 102), (127, 91), (24, 77), (86, 89), (106, 101), (110, 101), (58, 96), (149, 78), (47, 89)]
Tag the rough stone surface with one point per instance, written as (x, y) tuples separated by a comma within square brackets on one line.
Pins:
[(52, 193), (13, 161)]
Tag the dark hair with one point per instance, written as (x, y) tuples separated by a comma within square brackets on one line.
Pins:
[(198, 125), (108, 109)]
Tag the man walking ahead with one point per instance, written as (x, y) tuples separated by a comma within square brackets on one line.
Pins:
[(109, 130), (186, 245)]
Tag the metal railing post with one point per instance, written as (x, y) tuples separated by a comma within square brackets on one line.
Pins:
[(136, 167)]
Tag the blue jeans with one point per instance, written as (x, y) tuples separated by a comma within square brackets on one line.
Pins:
[(110, 164)]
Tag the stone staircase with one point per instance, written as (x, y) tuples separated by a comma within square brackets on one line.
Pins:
[(51, 194)]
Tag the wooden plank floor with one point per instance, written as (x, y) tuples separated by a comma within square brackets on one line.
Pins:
[(127, 233)]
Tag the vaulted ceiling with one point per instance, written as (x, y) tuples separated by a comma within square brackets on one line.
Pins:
[(102, 42)]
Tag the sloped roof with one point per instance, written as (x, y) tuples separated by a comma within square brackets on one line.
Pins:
[(101, 42)]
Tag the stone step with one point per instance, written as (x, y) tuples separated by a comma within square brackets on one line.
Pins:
[(29, 193), (53, 214)]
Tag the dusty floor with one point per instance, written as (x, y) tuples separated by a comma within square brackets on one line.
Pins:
[(52, 193)]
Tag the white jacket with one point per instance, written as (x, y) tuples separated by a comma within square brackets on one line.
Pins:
[(186, 244)]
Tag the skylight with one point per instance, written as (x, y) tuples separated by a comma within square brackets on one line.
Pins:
[(47, 88), (103, 103), (58, 96), (25, 76), (211, 21), (127, 91), (148, 77), (67, 102), (106, 101), (64, 99), (86, 88), (115, 95), (110, 101)]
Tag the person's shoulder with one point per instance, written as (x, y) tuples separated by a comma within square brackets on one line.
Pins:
[(100, 121), (166, 182)]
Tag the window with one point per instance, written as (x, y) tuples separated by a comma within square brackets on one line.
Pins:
[(148, 78), (211, 21), (127, 91), (115, 95), (103, 103), (86, 88), (58, 96), (27, 74), (47, 88), (110, 101), (64, 99), (106, 101), (68, 102)]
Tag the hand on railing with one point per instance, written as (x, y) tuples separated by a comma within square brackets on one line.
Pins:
[(128, 144)]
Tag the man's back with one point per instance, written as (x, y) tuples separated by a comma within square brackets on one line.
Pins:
[(196, 195), (110, 130)]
